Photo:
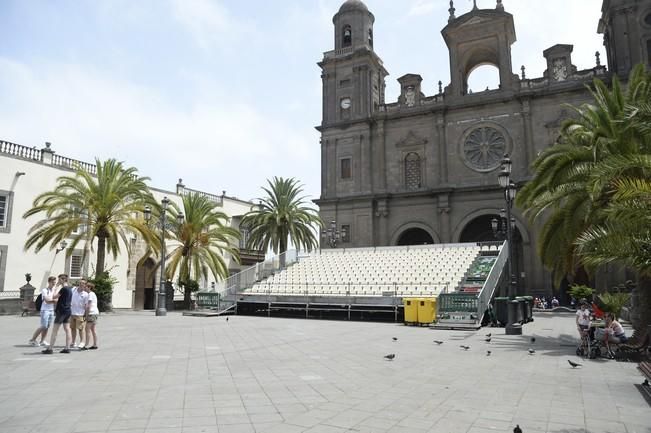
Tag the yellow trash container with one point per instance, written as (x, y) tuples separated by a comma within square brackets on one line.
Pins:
[(426, 311), (411, 310)]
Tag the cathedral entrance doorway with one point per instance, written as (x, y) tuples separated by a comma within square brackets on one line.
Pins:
[(145, 283), (479, 230), (415, 236)]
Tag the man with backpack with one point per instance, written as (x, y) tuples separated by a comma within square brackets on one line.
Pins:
[(63, 299), (46, 309)]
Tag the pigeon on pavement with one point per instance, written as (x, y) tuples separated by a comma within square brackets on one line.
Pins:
[(488, 340), (574, 364), (489, 334), (646, 382), (390, 356), (464, 347), (394, 338), (531, 351), (533, 339), (439, 342), (488, 353), (517, 429)]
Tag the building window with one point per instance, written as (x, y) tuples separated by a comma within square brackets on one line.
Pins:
[(648, 52), (346, 169), (370, 38), (3, 265), (412, 171), (5, 211), (345, 233), (75, 266), (245, 234), (347, 40)]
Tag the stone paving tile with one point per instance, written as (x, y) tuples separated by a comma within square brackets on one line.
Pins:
[(176, 374)]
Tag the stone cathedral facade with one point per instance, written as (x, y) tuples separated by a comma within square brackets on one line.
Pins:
[(423, 169)]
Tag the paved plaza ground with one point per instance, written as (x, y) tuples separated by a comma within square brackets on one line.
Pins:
[(252, 374)]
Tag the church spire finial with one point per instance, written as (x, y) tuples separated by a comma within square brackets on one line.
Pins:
[(474, 5), (451, 10), (500, 6)]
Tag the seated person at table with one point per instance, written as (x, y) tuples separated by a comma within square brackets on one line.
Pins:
[(613, 332)]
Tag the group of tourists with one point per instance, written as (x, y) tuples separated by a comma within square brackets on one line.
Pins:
[(544, 304), (611, 332), (74, 308)]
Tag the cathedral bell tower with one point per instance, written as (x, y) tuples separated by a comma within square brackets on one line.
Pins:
[(479, 37), (353, 75), (626, 26)]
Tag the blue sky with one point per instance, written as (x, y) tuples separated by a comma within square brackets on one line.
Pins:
[(224, 93)]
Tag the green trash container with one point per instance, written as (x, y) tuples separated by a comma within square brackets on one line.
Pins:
[(529, 308), (411, 310), (500, 309), (522, 310)]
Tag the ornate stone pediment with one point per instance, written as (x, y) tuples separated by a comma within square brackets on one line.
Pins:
[(472, 21), (411, 140)]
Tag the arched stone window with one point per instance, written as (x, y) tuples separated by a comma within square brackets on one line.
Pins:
[(412, 171), (347, 39)]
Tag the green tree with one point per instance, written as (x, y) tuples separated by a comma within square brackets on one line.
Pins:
[(282, 216), (566, 193), (199, 242), (84, 207)]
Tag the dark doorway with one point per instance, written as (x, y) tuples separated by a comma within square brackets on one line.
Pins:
[(479, 230), (415, 237), (145, 282)]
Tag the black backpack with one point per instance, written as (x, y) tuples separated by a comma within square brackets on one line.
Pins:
[(38, 302)]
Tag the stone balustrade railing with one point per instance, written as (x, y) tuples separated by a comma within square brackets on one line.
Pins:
[(45, 155), (74, 164), (20, 150), (212, 197)]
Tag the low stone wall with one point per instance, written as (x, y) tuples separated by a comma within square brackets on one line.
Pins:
[(11, 306)]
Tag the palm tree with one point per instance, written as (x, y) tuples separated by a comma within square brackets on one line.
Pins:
[(282, 216), (564, 191), (83, 207), (201, 240)]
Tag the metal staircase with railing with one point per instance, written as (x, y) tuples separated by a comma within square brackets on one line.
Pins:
[(465, 307)]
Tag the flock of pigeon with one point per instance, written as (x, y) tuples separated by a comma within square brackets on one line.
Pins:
[(489, 336)]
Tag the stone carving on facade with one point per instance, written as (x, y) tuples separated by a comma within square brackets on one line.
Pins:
[(559, 71), (411, 139), (484, 148)]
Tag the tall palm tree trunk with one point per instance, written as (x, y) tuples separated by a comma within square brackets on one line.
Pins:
[(101, 254), (642, 317)]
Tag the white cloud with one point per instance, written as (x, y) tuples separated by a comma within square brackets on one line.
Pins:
[(421, 7), (210, 23), (222, 145)]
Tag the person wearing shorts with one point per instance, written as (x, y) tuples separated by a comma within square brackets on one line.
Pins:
[(78, 308), (92, 314), (583, 319), (62, 313), (47, 313)]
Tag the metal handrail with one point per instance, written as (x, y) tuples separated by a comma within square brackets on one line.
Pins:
[(488, 289)]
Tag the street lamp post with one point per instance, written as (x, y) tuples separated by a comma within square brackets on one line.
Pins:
[(161, 309), (510, 190), (332, 234)]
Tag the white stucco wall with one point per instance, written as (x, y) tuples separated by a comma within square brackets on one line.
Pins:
[(39, 178)]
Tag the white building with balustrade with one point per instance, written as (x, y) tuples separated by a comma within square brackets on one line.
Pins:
[(26, 172)]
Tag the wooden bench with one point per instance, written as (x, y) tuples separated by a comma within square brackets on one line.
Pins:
[(645, 368)]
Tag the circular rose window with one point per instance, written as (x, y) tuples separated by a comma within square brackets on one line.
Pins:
[(484, 148)]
